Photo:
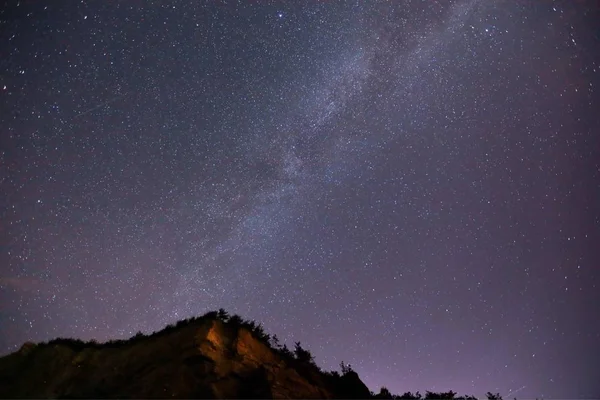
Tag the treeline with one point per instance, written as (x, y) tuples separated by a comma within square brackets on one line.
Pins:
[(384, 393), (232, 320)]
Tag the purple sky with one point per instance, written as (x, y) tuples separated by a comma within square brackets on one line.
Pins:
[(412, 187)]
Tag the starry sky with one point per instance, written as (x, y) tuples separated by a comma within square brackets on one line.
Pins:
[(412, 187)]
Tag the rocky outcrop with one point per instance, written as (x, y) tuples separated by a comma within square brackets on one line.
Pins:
[(203, 358)]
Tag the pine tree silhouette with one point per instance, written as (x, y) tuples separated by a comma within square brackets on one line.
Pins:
[(223, 315)]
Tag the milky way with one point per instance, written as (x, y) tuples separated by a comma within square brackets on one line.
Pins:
[(411, 187)]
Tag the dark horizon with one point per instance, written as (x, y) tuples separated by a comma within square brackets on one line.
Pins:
[(411, 187)]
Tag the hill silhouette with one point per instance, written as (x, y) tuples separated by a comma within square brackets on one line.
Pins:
[(216, 355)]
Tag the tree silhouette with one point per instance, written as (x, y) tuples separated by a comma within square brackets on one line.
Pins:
[(235, 320), (275, 342), (138, 335), (260, 333), (384, 393), (410, 396), (223, 315), (251, 325), (210, 315), (440, 396), (286, 352), (493, 396), (302, 354), (345, 368), (334, 374)]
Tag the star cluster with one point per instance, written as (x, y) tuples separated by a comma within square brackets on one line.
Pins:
[(411, 187)]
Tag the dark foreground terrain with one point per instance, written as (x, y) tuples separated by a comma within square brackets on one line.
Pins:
[(213, 356)]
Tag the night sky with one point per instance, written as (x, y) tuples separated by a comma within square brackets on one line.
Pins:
[(412, 187)]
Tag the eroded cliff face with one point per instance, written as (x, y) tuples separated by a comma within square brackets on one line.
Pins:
[(204, 359)]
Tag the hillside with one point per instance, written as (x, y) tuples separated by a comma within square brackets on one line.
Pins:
[(212, 356)]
